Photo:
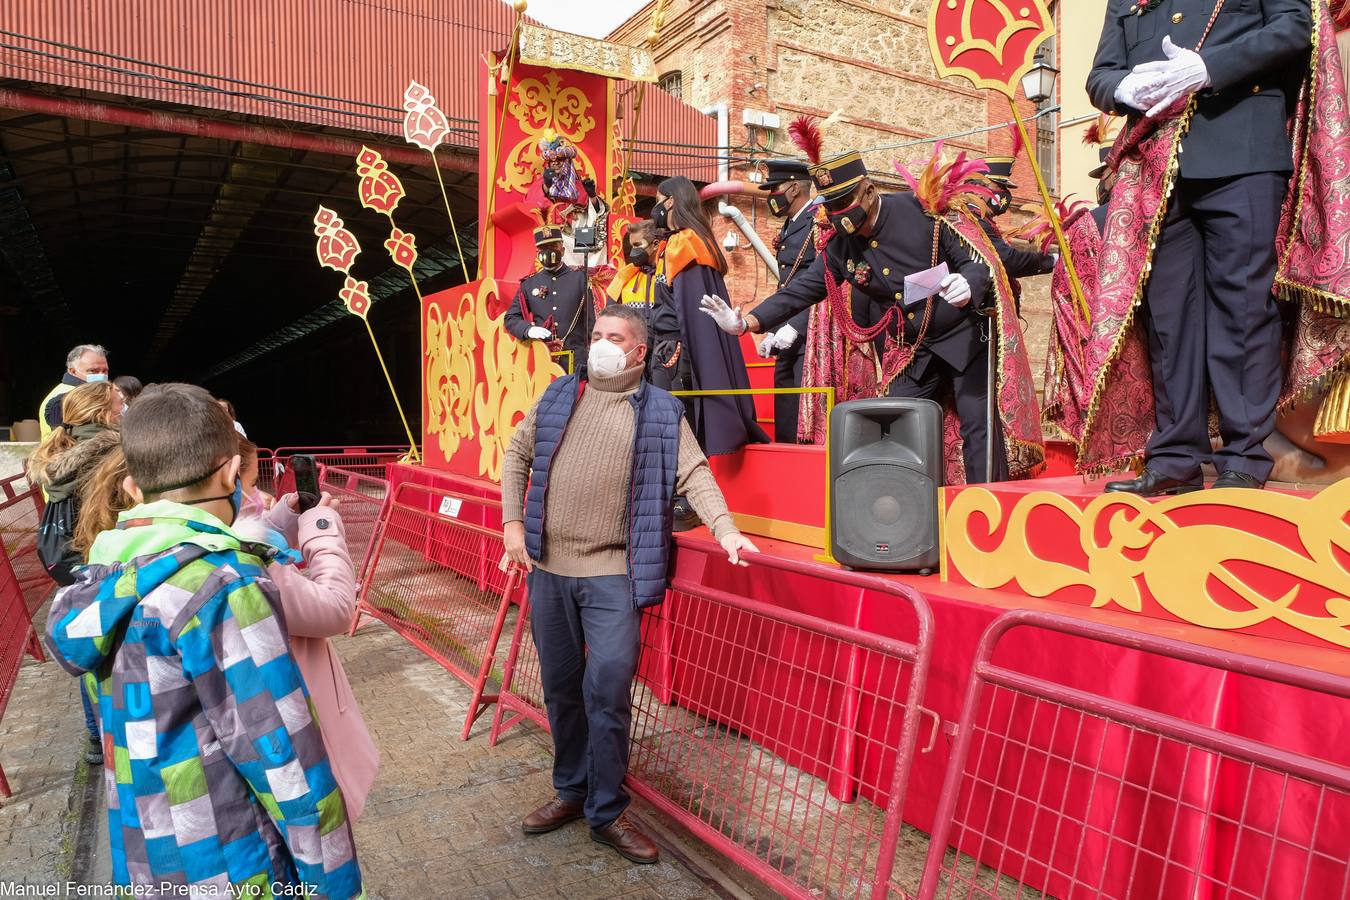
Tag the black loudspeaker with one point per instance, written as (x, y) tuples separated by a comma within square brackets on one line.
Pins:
[(885, 471)]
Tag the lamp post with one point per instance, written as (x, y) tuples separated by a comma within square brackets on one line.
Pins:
[(1039, 86)]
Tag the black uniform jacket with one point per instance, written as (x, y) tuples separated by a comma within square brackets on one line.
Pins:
[(1256, 56), (901, 245), (560, 296), (794, 242)]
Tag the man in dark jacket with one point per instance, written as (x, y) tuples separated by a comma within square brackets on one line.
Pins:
[(879, 240), (1017, 263), (554, 304), (1213, 325), (603, 457), (795, 249)]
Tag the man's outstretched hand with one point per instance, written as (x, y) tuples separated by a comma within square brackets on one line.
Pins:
[(735, 544), (513, 536)]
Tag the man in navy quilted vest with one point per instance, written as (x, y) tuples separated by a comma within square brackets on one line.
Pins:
[(603, 457)]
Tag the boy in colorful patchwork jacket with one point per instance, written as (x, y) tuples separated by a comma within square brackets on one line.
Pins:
[(216, 772)]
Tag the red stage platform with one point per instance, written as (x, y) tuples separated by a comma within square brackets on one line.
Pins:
[(1244, 705)]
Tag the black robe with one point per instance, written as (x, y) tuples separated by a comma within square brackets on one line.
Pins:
[(721, 424)]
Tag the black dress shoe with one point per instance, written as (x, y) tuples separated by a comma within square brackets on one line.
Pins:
[(1239, 480), (1153, 484)]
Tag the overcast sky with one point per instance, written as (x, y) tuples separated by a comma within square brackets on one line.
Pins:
[(594, 18)]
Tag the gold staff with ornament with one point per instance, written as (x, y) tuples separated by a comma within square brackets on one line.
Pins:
[(337, 249), (500, 73), (380, 190), (993, 44), (426, 126)]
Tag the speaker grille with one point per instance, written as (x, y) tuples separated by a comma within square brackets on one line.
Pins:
[(883, 513)]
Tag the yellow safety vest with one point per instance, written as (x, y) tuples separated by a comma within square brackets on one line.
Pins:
[(43, 428)]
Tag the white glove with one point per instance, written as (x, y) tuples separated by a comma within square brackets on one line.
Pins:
[(786, 337), (1180, 75), (955, 290), (768, 345), (539, 334), (729, 320), (1133, 87)]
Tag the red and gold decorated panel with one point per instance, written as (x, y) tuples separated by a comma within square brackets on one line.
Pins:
[(989, 42)]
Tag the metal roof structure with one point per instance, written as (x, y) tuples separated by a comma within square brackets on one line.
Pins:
[(161, 161)]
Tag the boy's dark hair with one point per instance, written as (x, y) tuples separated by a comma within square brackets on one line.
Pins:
[(175, 436)]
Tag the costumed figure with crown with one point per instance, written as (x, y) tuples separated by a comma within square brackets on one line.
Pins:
[(933, 348), (1232, 188)]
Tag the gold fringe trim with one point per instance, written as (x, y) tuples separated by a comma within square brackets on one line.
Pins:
[(1333, 418), (1320, 300), (1155, 229), (1314, 387), (1299, 193)]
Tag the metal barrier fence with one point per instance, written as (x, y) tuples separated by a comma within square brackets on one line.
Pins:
[(782, 739), (371, 459), (437, 576), (363, 500), (1070, 793), (20, 510), (24, 584)]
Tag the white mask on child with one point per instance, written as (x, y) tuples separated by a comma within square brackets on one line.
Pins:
[(606, 359)]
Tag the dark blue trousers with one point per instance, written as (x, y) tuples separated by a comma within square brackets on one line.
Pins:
[(1213, 325), (586, 632)]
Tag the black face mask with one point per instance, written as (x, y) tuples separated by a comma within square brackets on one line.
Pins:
[(1001, 202), (637, 256), (549, 259), (849, 221), (661, 216), (779, 204)]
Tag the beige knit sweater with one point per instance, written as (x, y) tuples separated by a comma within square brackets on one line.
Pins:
[(586, 508)]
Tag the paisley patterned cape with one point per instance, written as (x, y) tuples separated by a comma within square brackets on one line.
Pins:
[(1313, 274)]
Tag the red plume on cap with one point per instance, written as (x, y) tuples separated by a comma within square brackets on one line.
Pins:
[(942, 188), (805, 133), (1039, 232), (1098, 132), (1018, 145)]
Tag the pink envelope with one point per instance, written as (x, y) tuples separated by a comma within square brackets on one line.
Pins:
[(922, 285)]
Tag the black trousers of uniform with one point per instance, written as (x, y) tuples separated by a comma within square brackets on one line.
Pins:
[(787, 373), (1213, 323), (971, 389)]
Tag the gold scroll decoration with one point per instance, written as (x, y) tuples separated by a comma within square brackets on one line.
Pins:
[(560, 50), (545, 108), (1193, 571), (480, 395)]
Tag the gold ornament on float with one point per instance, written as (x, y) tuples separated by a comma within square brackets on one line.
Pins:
[(1193, 571), (545, 109)]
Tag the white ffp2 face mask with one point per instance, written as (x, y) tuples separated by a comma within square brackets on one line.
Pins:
[(606, 359)]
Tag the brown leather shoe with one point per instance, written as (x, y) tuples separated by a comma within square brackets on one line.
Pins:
[(628, 840), (551, 816)]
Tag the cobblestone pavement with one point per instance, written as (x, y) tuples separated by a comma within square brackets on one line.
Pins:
[(441, 822), (42, 744)]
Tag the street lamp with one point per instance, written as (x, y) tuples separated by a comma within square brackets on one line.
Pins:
[(1039, 82)]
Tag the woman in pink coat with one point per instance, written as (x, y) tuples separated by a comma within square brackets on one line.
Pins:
[(317, 603)]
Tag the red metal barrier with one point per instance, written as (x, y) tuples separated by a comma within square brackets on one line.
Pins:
[(726, 690), (371, 459), (436, 577), (20, 509), (24, 585), (363, 501), (1064, 790)]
